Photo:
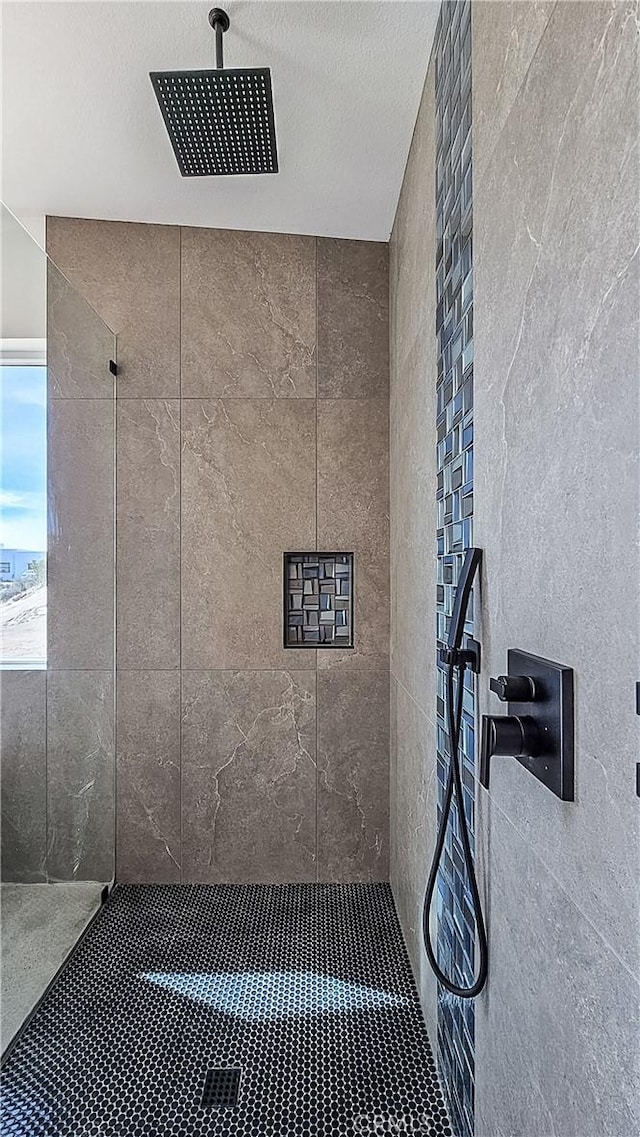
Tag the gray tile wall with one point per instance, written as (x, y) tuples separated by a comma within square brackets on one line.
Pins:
[(80, 775), (252, 418), (556, 190), (58, 724), (557, 379), (249, 775), (413, 546), (23, 786)]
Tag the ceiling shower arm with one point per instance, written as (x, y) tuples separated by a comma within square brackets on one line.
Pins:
[(219, 21)]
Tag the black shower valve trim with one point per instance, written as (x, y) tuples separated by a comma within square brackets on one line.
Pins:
[(539, 727), (515, 736)]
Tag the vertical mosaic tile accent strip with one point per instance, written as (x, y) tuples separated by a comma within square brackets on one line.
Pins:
[(318, 600), (454, 327)]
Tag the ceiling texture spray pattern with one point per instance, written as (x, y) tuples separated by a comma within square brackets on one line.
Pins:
[(83, 135)]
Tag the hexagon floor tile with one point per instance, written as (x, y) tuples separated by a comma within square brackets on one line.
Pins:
[(305, 989)]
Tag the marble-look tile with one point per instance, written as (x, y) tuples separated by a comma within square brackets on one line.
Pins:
[(81, 533), (353, 776), (353, 515), (413, 522), (148, 776), (412, 302), (248, 314), (558, 995), (413, 239), (130, 274), (505, 37), (80, 775), (248, 495), (248, 776), (557, 480), (353, 319), (413, 822), (79, 344), (148, 533), (23, 785)]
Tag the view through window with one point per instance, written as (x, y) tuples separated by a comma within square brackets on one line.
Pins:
[(23, 516)]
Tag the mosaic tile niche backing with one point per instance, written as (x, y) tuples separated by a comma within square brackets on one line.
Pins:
[(318, 600), (454, 327)]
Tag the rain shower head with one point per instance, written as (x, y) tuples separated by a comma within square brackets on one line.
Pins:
[(220, 121)]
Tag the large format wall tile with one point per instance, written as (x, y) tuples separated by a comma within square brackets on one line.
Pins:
[(353, 516), (412, 824), (248, 314), (148, 776), (413, 240), (557, 424), (353, 776), (412, 444), (80, 775), (248, 494), (248, 776), (557, 995), (81, 537), (353, 319), (79, 344), (506, 36), (23, 787), (130, 274), (148, 533), (413, 522)]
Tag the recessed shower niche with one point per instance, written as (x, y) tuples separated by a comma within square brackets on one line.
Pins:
[(318, 600)]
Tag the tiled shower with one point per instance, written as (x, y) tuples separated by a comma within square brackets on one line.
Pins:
[(268, 453)]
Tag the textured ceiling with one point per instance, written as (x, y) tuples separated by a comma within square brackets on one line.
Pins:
[(83, 136)]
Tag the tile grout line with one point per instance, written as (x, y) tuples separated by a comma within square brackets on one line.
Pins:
[(316, 549), (415, 702), (46, 774), (115, 615), (569, 897), (45, 866), (180, 548)]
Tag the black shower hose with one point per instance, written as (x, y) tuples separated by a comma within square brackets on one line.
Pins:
[(454, 782)]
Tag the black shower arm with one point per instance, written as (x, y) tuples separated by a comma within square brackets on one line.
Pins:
[(219, 21)]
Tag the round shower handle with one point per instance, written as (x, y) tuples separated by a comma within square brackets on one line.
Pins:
[(514, 688), (513, 735)]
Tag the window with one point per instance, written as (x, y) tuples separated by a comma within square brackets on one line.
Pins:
[(23, 515)]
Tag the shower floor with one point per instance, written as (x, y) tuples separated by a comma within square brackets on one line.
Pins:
[(306, 990)]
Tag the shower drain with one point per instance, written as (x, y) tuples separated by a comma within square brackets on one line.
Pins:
[(221, 1088)]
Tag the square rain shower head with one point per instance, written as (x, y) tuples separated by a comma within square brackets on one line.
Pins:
[(219, 121)]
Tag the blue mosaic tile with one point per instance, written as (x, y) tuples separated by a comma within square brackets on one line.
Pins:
[(318, 600), (454, 505)]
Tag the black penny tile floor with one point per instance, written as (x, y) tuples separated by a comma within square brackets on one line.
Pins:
[(239, 1010)]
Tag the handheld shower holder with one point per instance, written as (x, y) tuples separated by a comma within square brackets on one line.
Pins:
[(470, 656)]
